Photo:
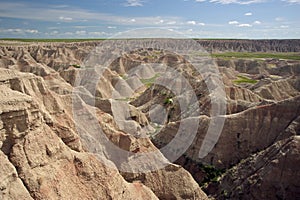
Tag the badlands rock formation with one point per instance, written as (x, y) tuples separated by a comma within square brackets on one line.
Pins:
[(251, 45), (79, 124), (269, 174), (42, 153)]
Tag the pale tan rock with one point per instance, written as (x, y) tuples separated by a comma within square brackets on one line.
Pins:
[(11, 186), (243, 133), (43, 142), (278, 90), (176, 182), (52, 171), (45, 146)]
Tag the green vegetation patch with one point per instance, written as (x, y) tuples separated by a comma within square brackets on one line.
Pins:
[(262, 55), (168, 100), (148, 82), (127, 99), (76, 66), (243, 79), (212, 174)]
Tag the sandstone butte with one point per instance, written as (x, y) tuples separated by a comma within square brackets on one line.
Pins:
[(47, 153)]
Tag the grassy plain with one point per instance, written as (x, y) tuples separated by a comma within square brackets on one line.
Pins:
[(263, 55)]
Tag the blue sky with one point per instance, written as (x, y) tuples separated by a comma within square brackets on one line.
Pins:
[(257, 19)]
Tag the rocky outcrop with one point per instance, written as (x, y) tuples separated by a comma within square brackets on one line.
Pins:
[(258, 114), (49, 169), (173, 176), (38, 164), (43, 153), (251, 45), (11, 186), (243, 133), (269, 174)]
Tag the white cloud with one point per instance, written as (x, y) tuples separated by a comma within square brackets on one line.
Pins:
[(26, 11), (68, 33), (248, 14), (80, 32), (191, 22), (133, 3), (284, 26), (31, 31), (133, 20), (59, 6), (98, 33), (292, 1), (13, 30), (160, 21), (19, 31), (279, 19), (54, 33), (80, 27), (65, 18), (171, 22), (201, 24), (233, 22), (111, 27), (244, 25), (242, 2), (257, 22)]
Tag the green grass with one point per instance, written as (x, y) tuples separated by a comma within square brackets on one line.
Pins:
[(212, 174), (168, 100), (148, 82), (243, 79), (76, 66), (286, 56)]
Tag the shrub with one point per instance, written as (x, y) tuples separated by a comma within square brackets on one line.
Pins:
[(243, 79)]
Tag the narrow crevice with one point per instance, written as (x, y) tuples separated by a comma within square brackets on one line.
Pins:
[(20, 177), (282, 133)]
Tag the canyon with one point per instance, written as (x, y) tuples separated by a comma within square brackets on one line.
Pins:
[(150, 119)]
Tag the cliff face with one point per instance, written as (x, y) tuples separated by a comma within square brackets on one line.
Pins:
[(50, 150), (251, 45), (269, 174)]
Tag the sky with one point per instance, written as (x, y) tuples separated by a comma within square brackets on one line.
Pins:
[(250, 19)]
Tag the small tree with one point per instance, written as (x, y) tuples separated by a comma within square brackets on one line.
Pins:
[(169, 101)]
